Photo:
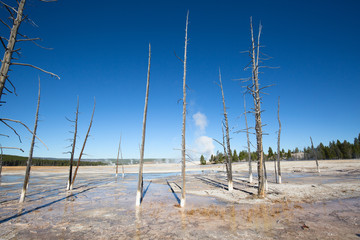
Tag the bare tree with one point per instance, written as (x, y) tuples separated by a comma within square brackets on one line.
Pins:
[(228, 154), (117, 159), (255, 89), (28, 166), (278, 145), (16, 18), (248, 144), (275, 169), (139, 193), (183, 147), (265, 175), (122, 163), (83, 147), (73, 146), (314, 152)]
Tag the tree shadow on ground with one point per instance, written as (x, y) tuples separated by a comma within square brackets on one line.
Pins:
[(220, 185), (144, 192), (173, 192), (21, 213)]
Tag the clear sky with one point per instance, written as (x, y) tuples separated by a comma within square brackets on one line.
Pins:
[(101, 49)]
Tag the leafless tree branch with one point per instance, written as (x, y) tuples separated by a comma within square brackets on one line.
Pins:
[(29, 65), (12, 148), (8, 6), (7, 25), (17, 121), (27, 39)]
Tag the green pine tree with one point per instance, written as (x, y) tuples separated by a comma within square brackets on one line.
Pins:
[(202, 160), (235, 157)]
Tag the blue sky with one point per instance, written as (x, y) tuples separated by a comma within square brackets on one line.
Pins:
[(101, 50)]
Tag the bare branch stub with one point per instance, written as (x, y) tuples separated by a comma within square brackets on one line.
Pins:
[(178, 57)]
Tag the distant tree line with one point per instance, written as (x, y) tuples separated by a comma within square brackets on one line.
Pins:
[(243, 156), (335, 150), (11, 160)]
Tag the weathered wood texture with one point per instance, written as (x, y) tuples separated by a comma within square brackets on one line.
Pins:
[(73, 146), (28, 165), (6, 61), (139, 193), (278, 146), (228, 153), (254, 53), (183, 147), (83, 147)]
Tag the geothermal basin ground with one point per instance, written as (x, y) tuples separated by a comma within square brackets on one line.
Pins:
[(307, 205)]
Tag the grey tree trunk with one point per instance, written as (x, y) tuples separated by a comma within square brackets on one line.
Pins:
[(265, 174), (83, 147), (6, 61), (255, 52), (228, 155), (275, 169), (183, 147), (122, 164), (278, 143), (73, 146), (139, 193), (117, 159), (224, 146), (7, 58), (28, 166), (316, 160), (248, 144)]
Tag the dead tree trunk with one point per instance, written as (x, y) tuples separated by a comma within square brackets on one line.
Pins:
[(255, 91), (275, 169), (183, 147), (11, 41), (265, 174), (315, 155), (224, 146), (122, 163), (248, 144), (28, 166), (228, 155), (139, 194), (278, 143), (10, 46), (117, 159), (83, 147), (73, 146)]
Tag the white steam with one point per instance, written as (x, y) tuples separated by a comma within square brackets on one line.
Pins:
[(203, 144), (200, 120)]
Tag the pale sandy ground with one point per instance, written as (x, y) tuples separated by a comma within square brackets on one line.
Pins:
[(308, 205)]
